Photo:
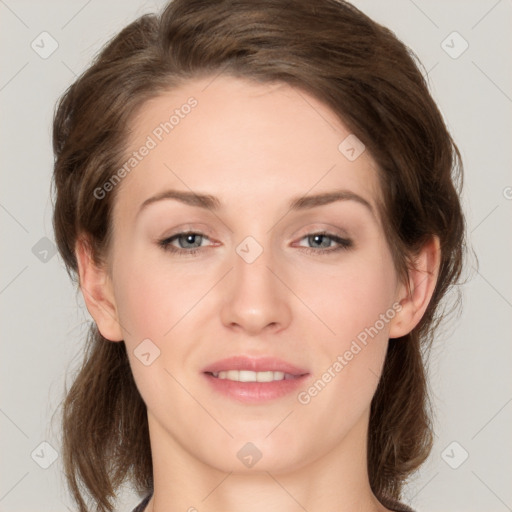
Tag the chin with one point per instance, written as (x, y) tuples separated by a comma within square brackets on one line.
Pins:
[(252, 455)]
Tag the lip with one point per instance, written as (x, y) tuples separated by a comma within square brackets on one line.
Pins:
[(259, 364), (255, 392)]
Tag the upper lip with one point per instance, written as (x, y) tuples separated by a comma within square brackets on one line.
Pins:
[(255, 364)]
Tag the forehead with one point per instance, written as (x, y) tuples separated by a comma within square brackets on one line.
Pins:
[(253, 145)]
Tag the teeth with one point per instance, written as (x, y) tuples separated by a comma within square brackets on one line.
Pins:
[(250, 376)]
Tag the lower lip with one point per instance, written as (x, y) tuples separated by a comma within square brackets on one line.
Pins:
[(255, 392)]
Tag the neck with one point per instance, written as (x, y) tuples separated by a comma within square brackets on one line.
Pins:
[(336, 481)]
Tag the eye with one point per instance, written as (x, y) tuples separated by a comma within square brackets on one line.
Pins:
[(188, 243), (323, 240)]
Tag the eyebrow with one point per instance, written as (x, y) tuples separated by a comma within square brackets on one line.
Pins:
[(210, 202)]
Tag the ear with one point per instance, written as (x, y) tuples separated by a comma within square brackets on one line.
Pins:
[(414, 296), (96, 287)]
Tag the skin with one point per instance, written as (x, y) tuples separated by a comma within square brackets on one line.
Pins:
[(254, 147)]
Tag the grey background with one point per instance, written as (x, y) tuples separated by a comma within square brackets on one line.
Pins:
[(44, 320)]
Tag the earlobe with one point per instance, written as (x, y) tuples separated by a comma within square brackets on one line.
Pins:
[(415, 295), (96, 288)]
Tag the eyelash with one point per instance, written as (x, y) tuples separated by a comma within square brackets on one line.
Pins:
[(343, 244)]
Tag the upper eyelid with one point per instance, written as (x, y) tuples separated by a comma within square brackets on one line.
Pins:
[(331, 229)]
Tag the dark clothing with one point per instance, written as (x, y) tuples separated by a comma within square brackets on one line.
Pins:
[(142, 505)]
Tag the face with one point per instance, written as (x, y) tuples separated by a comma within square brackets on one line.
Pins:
[(259, 316)]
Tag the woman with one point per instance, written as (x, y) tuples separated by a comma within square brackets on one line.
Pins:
[(260, 203)]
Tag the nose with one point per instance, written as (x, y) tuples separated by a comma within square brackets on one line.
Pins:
[(257, 299)]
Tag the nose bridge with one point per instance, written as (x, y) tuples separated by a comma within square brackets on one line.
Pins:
[(256, 297), (252, 262)]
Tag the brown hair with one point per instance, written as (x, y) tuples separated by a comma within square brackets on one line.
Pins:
[(359, 69)]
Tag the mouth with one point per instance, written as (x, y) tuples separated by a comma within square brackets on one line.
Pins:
[(254, 380), (250, 376)]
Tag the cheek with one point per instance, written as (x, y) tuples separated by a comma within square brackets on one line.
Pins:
[(154, 306), (357, 306), (354, 297), (350, 362), (140, 308), (153, 295)]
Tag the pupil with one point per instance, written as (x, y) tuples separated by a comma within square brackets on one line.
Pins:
[(318, 238), (190, 238)]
